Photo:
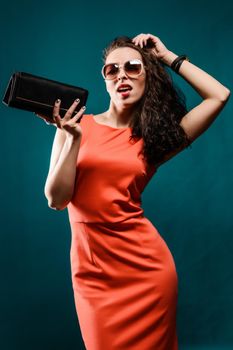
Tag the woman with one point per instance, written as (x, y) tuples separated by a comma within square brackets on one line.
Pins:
[(123, 274)]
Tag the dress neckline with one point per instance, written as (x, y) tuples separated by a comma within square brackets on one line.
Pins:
[(108, 126)]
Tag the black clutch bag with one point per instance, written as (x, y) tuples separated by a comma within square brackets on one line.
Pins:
[(37, 94)]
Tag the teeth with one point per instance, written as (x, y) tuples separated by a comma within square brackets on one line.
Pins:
[(124, 89)]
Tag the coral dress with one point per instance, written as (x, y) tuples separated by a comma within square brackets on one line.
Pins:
[(123, 274)]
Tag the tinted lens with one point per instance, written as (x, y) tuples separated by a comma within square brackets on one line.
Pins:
[(133, 68), (110, 70)]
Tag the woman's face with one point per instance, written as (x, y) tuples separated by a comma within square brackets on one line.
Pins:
[(120, 56)]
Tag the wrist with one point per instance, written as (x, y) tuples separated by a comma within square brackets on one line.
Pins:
[(169, 58), (73, 139)]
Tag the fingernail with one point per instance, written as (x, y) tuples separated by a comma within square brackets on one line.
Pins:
[(77, 100), (84, 108), (58, 100)]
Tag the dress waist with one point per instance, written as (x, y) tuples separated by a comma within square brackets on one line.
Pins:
[(107, 222)]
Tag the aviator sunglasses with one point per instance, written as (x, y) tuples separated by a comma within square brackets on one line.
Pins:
[(133, 68)]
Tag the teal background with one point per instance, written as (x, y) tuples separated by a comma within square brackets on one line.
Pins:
[(189, 200)]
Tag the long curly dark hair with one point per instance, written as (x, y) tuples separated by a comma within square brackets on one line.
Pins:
[(160, 109)]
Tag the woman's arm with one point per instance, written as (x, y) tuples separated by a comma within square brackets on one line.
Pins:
[(58, 143), (205, 85), (60, 182), (215, 95)]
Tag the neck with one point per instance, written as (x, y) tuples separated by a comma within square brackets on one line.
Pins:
[(120, 116)]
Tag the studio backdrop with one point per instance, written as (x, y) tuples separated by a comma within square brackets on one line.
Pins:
[(189, 199)]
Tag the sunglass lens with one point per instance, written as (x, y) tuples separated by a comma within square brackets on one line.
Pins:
[(133, 68), (110, 71)]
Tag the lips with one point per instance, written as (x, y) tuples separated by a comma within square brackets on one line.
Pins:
[(124, 87)]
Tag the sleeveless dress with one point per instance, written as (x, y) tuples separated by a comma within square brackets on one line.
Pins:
[(123, 274)]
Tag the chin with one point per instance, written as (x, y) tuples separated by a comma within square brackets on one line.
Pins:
[(128, 101)]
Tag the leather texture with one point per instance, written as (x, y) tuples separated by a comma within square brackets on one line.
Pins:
[(37, 94)]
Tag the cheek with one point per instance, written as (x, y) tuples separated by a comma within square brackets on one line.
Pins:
[(109, 88), (142, 86)]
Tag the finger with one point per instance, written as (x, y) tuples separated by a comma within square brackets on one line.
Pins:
[(56, 108), (139, 40), (141, 43), (71, 110), (136, 39), (58, 120), (136, 36), (154, 38), (79, 115)]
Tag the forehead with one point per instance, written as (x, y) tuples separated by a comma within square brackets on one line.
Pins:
[(122, 54)]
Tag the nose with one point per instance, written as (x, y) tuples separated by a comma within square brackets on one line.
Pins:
[(121, 74)]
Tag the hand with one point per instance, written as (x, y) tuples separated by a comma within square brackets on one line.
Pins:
[(68, 124), (158, 48)]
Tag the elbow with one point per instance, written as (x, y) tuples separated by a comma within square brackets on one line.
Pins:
[(57, 206), (54, 203), (225, 96), (54, 207), (51, 206)]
